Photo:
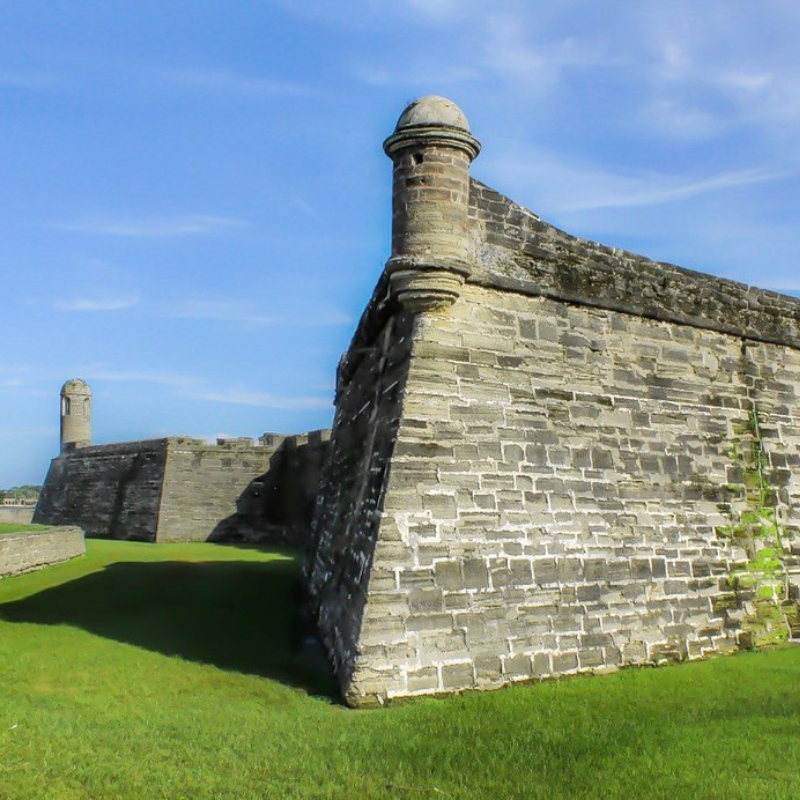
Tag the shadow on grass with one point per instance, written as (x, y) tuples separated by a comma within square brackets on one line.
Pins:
[(237, 615)]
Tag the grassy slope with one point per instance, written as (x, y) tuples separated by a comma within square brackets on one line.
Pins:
[(168, 671)]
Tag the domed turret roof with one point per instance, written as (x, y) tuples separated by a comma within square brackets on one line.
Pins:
[(75, 385), (433, 110)]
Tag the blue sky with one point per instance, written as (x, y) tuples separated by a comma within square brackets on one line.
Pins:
[(196, 205)]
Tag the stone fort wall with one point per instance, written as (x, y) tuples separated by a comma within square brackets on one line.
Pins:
[(179, 489), (202, 484), (588, 460), (111, 491)]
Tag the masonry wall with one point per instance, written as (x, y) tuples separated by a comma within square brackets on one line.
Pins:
[(181, 489), (201, 486), (278, 506), (110, 491), (371, 381), (558, 483), (24, 552), (571, 483), (18, 514), (514, 250)]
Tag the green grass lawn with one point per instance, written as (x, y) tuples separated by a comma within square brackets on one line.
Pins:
[(148, 671), (14, 527)]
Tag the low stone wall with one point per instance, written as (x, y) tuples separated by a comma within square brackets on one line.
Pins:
[(30, 550), (19, 515)]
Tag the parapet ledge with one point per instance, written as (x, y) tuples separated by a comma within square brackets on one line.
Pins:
[(115, 448), (313, 438), (239, 444), (519, 252)]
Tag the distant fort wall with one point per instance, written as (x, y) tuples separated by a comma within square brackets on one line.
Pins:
[(17, 514), (202, 483), (111, 491), (279, 505), (179, 489)]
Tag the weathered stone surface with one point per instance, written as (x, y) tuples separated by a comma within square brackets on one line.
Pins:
[(21, 515), (76, 415), (349, 513), (555, 485), (31, 550), (109, 491), (181, 489)]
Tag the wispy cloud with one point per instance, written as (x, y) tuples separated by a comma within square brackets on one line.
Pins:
[(235, 311), (243, 397), (168, 379), (160, 227), (15, 376), (677, 118), (570, 188), (194, 388), (425, 73), (654, 189), (497, 47), (532, 65), (232, 83), (97, 303), (437, 10)]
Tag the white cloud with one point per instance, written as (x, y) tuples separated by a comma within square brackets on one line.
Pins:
[(14, 377), (194, 388), (470, 44), (25, 433), (675, 118), (168, 379), (437, 10), (531, 65), (236, 311), (244, 397), (231, 83), (568, 188), (654, 189), (186, 225), (424, 73), (97, 303)]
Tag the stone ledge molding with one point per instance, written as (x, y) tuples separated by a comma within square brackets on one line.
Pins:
[(432, 136)]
